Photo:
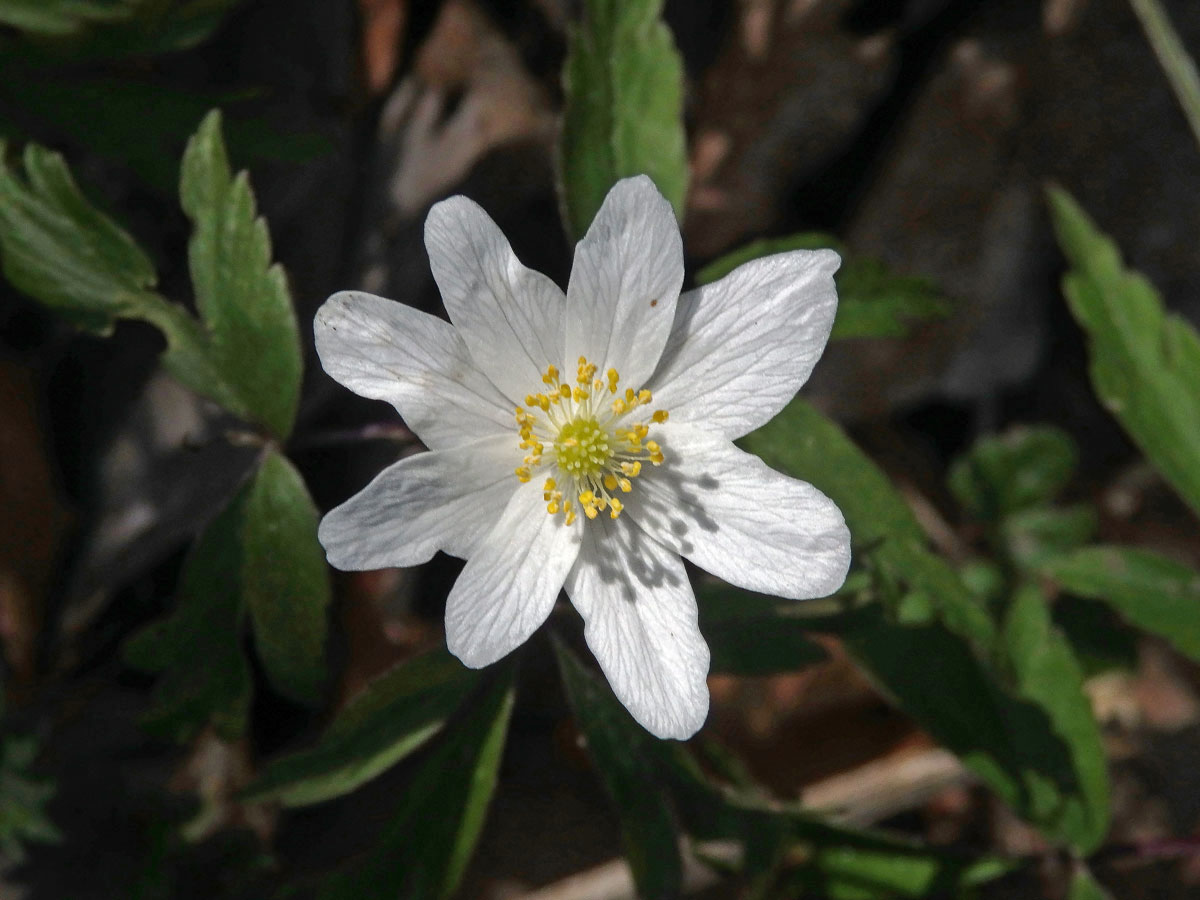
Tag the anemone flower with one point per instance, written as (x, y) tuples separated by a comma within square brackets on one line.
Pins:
[(585, 441)]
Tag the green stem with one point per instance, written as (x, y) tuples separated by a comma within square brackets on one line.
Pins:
[(1179, 66)]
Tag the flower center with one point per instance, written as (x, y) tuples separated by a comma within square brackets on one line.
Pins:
[(596, 436)]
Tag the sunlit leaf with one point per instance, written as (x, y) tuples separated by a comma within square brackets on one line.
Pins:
[(1153, 593), (253, 338), (1145, 362), (623, 108), (397, 713), (285, 580), (1084, 886), (873, 301), (617, 746), (425, 849)]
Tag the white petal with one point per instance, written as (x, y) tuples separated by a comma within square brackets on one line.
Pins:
[(510, 317), (388, 351), (625, 282), (640, 621), (741, 347), (509, 585), (442, 500), (730, 514)]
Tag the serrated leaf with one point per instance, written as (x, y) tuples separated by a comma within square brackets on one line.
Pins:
[(873, 301), (244, 302), (1022, 469), (751, 635), (393, 716), (623, 108), (197, 650), (425, 849), (285, 580), (59, 248), (618, 747), (1073, 803), (1145, 362), (1153, 593)]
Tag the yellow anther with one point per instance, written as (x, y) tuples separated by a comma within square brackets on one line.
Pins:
[(660, 416), (550, 484), (644, 396), (551, 375), (579, 394), (641, 431), (522, 473), (531, 400), (630, 396), (626, 485), (552, 508), (620, 407), (617, 506), (570, 515), (652, 446), (610, 482), (632, 469), (590, 511)]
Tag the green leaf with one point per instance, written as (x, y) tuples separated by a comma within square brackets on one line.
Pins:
[(1145, 363), (750, 634), (873, 301), (618, 747), (1035, 535), (1153, 593), (285, 580), (197, 649), (1084, 886), (395, 714), (259, 557), (425, 849), (253, 339), (837, 860), (805, 444), (23, 799), (58, 18), (1022, 469), (623, 109), (59, 248), (1048, 674)]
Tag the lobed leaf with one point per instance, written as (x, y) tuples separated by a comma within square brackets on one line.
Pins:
[(873, 301), (424, 851), (1145, 362), (617, 746), (253, 338), (259, 557), (623, 108), (285, 581), (393, 716), (1151, 592)]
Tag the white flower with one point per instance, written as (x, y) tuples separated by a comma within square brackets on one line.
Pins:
[(584, 441)]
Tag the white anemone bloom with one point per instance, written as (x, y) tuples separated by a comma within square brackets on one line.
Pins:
[(585, 441)]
